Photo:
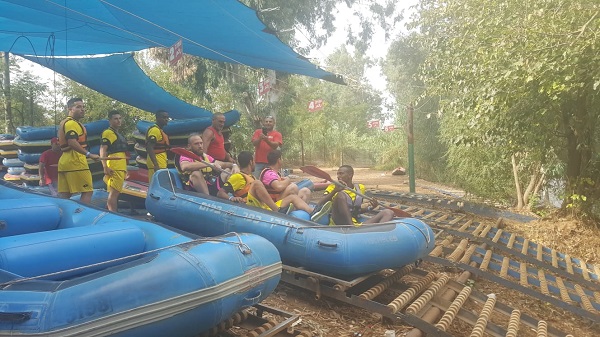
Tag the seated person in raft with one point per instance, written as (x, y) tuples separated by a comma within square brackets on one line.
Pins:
[(279, 187), (243, 187), (346, 206), (198, 176)]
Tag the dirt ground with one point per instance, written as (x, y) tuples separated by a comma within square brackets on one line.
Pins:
[(331, 318)]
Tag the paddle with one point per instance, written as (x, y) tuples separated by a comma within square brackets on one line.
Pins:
[(187, 153), (101, 158), (317, 172)]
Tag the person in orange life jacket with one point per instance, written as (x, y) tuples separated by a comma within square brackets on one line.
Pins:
[(157, 144), (198, 176), (214, 142), (74, 174), (243, 187), (265, 140), (280, 187), (347, 206), (114, 144), (48, 166)]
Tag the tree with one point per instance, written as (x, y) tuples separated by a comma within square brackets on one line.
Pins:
[(516, 79)]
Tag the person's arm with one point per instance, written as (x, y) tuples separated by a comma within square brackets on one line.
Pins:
[(150, 150), (258, 137), (280, 184), (75, 146), (42, 171), (207, 137), (226, 192), (277, 141), (224, 164), (104, 153)]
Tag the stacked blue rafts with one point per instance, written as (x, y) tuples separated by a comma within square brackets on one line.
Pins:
[(32, 141), (67, 269)]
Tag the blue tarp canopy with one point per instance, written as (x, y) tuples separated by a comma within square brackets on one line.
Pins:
[(118, 76), (222, 30)]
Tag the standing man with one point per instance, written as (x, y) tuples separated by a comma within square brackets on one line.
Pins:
[(73, 170), (114, 144), (214, 142), (198, 176), (48, 166), (280, 187), (157, 144), (265, 140)]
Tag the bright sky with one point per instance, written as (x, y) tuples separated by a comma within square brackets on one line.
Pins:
[(378, 48)]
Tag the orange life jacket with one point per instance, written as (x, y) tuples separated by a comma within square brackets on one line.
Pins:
[(274, 194), (62, 136), (163, 145), (244, 191)]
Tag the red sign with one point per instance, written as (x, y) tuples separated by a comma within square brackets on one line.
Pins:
[(389, 128), (374, 124), (315, 105), (264, 87), (175, 53)]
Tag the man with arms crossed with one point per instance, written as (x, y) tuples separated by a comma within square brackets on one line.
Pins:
[(214, 141)]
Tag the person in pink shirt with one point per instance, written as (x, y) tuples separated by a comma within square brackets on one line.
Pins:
[(280, 187), (48, 166), (265, 140)]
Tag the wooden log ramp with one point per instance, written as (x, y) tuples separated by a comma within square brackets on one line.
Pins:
[(440, 295)]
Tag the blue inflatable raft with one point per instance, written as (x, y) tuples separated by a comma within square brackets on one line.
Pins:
[(93, 128), (333, 250), (67, 269)]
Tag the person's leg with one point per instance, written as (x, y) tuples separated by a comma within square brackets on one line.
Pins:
[(297, 202), (198, 182), (113, 199), (114, 185), (383, 216), (340, 213), (304, 193), (63, 186), (86, 197), (292, 189), (258, 190)]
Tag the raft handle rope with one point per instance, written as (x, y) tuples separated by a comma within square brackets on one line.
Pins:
[(287, 224), (241, 246)]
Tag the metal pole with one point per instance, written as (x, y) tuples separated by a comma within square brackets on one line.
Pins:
[(411, 154), (302, 145)]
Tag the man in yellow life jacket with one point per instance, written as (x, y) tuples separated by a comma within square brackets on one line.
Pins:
[(347, 205), (114, 144), (74, 174), (157, 144), (242, 187)]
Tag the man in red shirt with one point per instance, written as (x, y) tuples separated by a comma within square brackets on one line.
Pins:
[(265, 140), (214, 142), (48, 166)]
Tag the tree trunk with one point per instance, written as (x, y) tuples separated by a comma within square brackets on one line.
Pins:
[(8, 122), (532, 183), (517, 183), (578, 129)]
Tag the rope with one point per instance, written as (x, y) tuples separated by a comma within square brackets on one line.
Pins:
[(240, 244)]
